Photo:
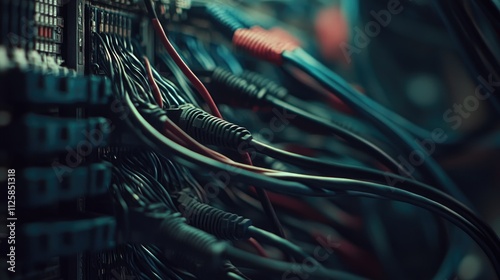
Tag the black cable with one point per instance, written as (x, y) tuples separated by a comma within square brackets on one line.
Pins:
[(280, 243), (352, 139), (328, 168), (268, 209), (234, 276), (180, 78), (278, 267)]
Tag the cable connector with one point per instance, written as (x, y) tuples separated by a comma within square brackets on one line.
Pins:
[(222, 224), (208, 129), (200, 246), (262, 82), (264, 44), (247, 92), (249, 89), (155, 224)]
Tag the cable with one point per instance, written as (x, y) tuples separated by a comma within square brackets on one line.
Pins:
[(202, 90), (154, 85), (278, 267), (179, 77), (234, 276), (352, 139), (280, 243), (262, 252)]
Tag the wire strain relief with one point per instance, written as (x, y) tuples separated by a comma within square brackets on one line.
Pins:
[(208, 129), (263, 44), (199, 249), (222, 224), (260, 81), (249, 94)]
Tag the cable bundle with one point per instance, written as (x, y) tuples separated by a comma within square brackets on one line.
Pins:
[(208, 185)]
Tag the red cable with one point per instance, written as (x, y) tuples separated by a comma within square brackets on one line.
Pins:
[(154, 85), (185, 69), (258, 247), (356, 257)]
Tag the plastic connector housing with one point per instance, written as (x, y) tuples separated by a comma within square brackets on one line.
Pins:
[(222, 224)]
